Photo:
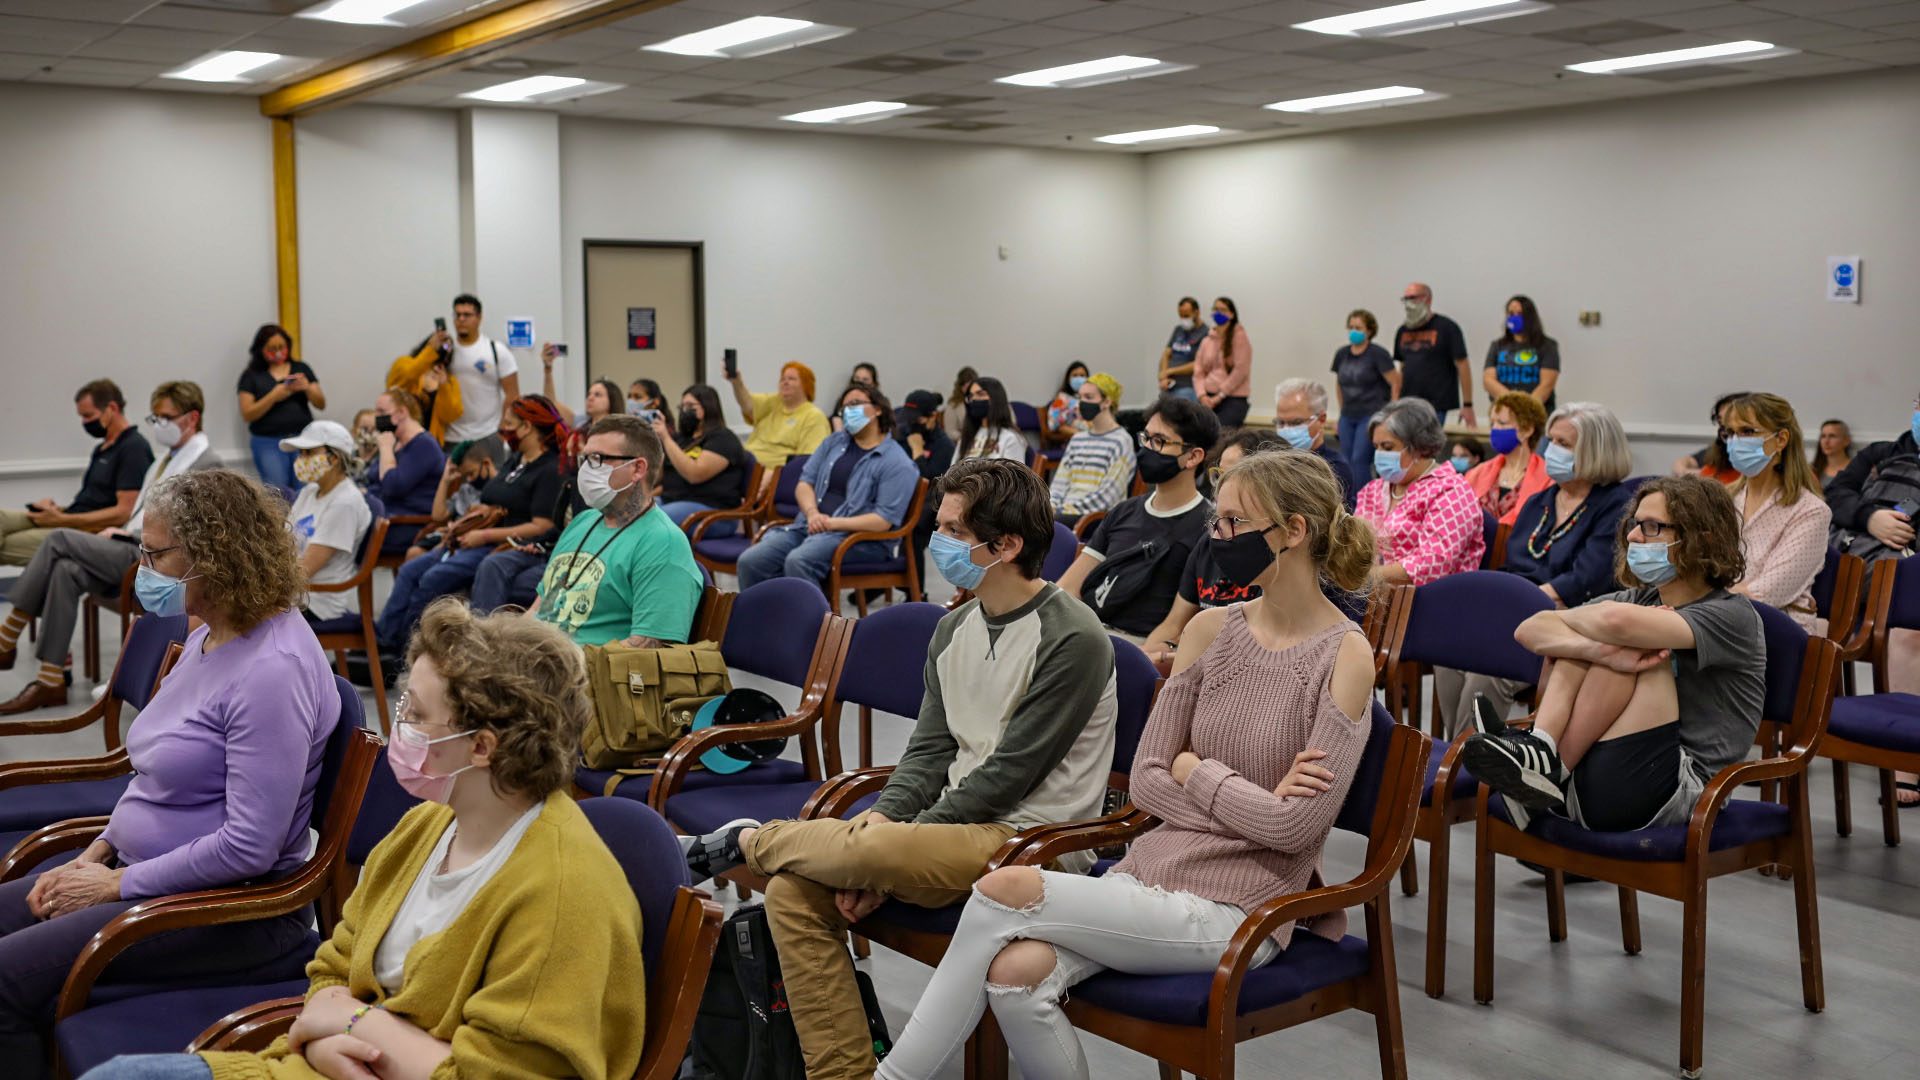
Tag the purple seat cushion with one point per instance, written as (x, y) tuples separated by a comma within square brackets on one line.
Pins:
[(705, 810), (35, 805), (1308, 963), (726, 549), (345, 624), (162, 1023), (850, 566), (778, 771), (1885, 721), (1463, 781), (914, 917), (1741, 821)]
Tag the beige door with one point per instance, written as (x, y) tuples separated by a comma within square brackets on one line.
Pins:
[(626, 282)]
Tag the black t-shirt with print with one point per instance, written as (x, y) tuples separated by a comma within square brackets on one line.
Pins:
[(111, 470), (1427, 355), (724, 489), (1144, 556), (1206, 585), (526, 490), (1518, 367)]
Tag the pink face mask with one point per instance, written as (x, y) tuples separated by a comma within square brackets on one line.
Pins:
[(407, 754)]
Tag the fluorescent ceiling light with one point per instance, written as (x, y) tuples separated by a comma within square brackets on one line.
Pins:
[(857, 113), (757, 36), (223, 66), (1128, 138), (364, 12), (1358, 99), (1732, 51), (1095, 72), (1420, 15), (543, 89)]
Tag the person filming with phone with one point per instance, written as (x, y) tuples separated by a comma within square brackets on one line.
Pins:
[(785, 423), (485, 370), (277, 397)]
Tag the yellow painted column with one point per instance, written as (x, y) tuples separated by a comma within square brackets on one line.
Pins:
[(286, 227)]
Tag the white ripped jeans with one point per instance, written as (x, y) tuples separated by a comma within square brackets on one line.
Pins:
[(1093, 924)]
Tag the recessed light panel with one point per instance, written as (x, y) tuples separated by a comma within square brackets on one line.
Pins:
[(859, 112), (1184, 131), (1420, 15), (757, 36), (541, 90), (230, 66), (1731, 52), (1095, 72)]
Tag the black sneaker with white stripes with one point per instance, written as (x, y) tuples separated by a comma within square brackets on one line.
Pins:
[(1520, 766), (717, 852), (1486, 719)]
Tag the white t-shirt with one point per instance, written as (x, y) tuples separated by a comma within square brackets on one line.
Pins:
[(1004, 443), (337, 520), (436, 899), (480, 367)]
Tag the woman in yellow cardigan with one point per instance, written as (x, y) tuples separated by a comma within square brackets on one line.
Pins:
[(424, 375), (492, 934)]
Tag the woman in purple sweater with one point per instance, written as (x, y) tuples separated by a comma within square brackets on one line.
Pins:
[(225, 758), (1246, 762)]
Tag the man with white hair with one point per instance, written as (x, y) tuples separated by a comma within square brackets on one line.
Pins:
[(1300, 417)]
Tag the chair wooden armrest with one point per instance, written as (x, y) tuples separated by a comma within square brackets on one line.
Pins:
[(107, 709), (681, 757), (1449, 767), (850, 539), (1044, 843), (705, 518), (693, 933), (252, 1029), (412, 519), (835, 797), (377, 535), (61, 770), (74, 834), (1084, 527)]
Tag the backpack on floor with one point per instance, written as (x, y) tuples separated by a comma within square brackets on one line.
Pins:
[(744, 1029)]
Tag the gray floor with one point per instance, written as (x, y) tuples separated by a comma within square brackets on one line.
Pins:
[(1573, 1011)]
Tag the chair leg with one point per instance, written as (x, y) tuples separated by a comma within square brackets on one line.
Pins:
[(90, 642), (862, 948), (1556, 906), (986, 1054), (1410, 875), (1630, 921), (340, 662), (1482, 914), (1693, 979), (1842, 800), (1806, 906), (1436, 913), (859, 601), (1168, 1072), (1386, 1008), (1889, 809), (379, 688)]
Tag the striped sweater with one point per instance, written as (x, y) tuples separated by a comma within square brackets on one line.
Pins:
[(1094, 472)]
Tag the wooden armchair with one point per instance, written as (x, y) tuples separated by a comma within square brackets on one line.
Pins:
[(720, 554), (145, 658), (355, 630), (1879, 730), (123, 604), (898, 572), (753, 498)]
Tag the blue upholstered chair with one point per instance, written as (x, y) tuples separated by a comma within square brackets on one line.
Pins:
[(774, 504), (35, 793), (1881, 730), (899, 572), (780, 630), (354, 630), (1192, 1023), (96, 1019), (1724, 836), (679, 927), (749, 500), (1494, 534), (1060, 556), (1463, 621)]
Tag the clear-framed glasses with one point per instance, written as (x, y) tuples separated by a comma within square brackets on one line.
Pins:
[(1654, 530), (599, 460), (1226, 527)]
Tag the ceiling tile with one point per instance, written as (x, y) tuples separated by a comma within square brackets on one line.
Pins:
[(1112, 18)]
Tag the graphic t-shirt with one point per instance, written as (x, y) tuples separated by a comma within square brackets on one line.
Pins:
[(112, 470), (1204, 584), (1518, 367), (1363, 386), (724, 489), (1183, 343), (1427, 355), (1143, 552), (606, 584), (335, 520), (479, 368), (525, 490)]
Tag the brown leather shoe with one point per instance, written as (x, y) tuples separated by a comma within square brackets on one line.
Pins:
[(6, 658), (37, 695)]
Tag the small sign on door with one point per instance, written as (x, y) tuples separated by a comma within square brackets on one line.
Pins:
[(1843, 278), (519, 333), (640, 328)]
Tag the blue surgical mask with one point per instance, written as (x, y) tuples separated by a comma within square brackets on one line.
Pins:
[(1387, 464), (1516, 323), (1075, 382), (1916, 425), (1461, 463), (1748, 454), (1559, 463), (164, 596), (853, 418), (1221, 318), (1503, 439), (1301, 437), (954, 559), (1649, 563), (1356, 337)]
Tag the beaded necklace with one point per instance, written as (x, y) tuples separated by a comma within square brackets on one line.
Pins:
[(1534, 546)]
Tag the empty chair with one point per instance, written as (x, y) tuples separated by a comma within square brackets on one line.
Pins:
[(1881, 730)]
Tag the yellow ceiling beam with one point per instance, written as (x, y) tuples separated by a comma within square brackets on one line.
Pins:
[(454, 47)]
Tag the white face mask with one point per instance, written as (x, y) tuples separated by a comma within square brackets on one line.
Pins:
[(596, 485), (1186, 324), (164, 433)]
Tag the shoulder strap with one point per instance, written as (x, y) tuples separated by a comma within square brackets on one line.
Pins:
[(499, 379)]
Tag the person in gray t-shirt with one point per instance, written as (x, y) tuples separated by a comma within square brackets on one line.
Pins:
[(1653, 688)]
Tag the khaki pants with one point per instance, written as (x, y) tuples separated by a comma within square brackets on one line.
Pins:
[(1453, 692), (19, 538), (808, 861)]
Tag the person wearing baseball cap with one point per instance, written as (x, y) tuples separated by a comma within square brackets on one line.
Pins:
[(1097, 466), (328, 517)]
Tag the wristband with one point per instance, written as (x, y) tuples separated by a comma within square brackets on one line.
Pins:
[(357, 1014)]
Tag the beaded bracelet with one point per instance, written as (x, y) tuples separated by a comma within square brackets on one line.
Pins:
[(357, 1014)]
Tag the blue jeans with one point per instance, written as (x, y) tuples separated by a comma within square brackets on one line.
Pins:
[(680, 511), (796, 554), (152, 1067), (1357, 449), (1182, 392), (274, 465), (420, 582), (507, 577)]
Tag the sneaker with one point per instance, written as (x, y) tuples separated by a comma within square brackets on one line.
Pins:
[(1485, 718), (717, 852), (1520, 766)]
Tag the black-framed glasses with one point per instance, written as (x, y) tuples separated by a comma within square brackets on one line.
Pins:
[(1654, 530), (1226, 526), (147, 554), (1159, 443), (597, 459)]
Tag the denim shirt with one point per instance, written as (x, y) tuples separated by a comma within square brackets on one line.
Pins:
[(882, 483)]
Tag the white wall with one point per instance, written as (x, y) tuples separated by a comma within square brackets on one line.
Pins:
[(833, 250), (138, 236), (1698, 225)]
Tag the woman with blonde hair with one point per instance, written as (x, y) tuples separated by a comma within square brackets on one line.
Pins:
[(1784, 516), (1246, 760), (498, 863)]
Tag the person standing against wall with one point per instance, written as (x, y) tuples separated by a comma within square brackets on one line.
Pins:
[(1432, 354), (487, 372), (1365, 379), (277, 397), (1176, 360), (1223, 366), (1523, 359)]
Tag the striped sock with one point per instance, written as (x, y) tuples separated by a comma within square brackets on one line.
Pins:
[(52, 674), (10, 631)]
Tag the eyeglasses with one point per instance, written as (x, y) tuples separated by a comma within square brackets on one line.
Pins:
[(405, 726), (1654, 530), (1227, 527), (157, 418), (147, 554), (1159, 443), (1294, 421), (598, 460), (1745, 432)]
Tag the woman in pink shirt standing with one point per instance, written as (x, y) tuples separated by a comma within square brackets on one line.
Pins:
[(1783, 510), (1246, 781), (1426, 521), (1223, 366)]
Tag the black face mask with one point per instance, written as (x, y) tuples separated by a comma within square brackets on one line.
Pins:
[(977, 411), (95, 427), (689, 425), (1243, 558), (1156, 467), (1089, 410)]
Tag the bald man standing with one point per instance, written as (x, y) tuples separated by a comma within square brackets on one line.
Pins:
[(1432, 354)]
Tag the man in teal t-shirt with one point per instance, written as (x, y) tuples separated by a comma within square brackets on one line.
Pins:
[(625, 571)]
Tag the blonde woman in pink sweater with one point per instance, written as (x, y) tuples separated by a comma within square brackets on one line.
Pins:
[(1246, 761)]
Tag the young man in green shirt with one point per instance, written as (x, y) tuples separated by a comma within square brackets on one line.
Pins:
[(622, 571)]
